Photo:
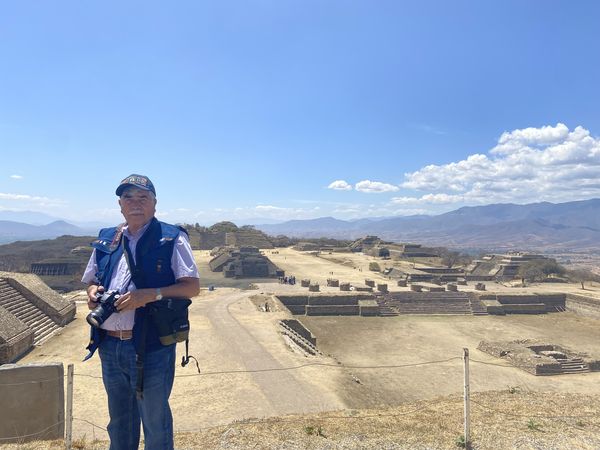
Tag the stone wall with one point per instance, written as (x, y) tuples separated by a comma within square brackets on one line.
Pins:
[(333, 310), (32, 402), (299, 328), (583, 305), (315, 305), (15, 337)]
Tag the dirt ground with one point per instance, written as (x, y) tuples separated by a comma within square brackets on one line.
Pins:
[(235, 342)]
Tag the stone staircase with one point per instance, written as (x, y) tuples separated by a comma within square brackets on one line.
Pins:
[(478, 308), (435, 303), (43, 326), (384, 309), (573, 365)]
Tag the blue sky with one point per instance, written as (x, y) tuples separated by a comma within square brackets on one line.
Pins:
[(298, 109)]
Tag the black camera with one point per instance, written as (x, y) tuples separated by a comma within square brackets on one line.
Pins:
[(106, 306)]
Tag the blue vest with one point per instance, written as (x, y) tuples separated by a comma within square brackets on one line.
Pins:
[(152, 259)]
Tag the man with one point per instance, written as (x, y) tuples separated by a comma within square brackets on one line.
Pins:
[(160, 257)]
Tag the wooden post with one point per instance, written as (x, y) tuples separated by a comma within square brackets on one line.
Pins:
[(466, 397), (69, 414)]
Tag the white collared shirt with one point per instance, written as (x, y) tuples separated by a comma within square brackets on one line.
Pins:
[(182, 263)]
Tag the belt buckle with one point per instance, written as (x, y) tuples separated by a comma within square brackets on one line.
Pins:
[(121, 335)]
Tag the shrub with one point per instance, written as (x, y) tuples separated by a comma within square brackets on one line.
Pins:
[(374, 267)]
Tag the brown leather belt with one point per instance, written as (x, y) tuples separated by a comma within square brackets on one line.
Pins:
[(123, 335)]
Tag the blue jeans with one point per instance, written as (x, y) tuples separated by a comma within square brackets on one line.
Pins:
[(120, 376)]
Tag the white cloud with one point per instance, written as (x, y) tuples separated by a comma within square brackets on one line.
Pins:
[(374, 187), (30, 199), (440, 199), (340, 185), (533, 164), (16, 177)]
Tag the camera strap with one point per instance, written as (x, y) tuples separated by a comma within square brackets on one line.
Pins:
[(137, 278)]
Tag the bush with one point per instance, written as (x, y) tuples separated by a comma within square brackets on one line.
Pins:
[(374, 267)]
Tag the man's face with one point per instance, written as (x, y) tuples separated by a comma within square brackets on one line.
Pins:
[(137, 206)]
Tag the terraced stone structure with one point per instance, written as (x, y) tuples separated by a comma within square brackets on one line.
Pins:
[(227, 234), (427, 274), (436, 303), (30, 313), (541, 358), (374, 246), (501, 267), (244, 262), (542, 303), (330, 305)]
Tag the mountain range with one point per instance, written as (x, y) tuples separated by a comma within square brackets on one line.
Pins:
[(570, 226), (561, 227), (18, 231)]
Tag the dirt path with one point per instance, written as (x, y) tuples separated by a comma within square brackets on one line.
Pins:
[(283, 392)]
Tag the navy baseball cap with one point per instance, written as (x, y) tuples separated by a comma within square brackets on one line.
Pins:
[(138, 181)]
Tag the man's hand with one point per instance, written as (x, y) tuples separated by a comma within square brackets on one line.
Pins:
[(133, 299), (92, 289)]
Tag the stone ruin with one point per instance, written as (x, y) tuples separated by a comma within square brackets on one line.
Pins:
[(30, 313), (535, 303), (374, 246), (301, 336), (501, 267), (541, 358), (306, 247), (227, 234), (244, 262), (331, 305), (436, 275)]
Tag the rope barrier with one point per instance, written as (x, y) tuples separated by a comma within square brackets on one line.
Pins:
[(91, 423), (301, 366), (487, 363), (340, 366)]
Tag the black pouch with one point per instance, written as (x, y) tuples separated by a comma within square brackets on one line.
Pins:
[(170, 316)]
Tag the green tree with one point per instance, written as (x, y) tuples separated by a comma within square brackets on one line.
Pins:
[(539, 269), (224, 226), (373, 266)]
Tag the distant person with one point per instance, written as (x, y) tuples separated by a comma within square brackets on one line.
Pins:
[(160, 258)]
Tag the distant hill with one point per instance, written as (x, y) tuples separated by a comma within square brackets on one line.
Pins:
[(18, 231), (536, 226)]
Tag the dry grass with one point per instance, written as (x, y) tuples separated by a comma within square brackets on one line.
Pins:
[(500, 420)]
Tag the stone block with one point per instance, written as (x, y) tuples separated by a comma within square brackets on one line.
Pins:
[(368, 307), (402, 283), (363, 288), (34, 408), (382, 287), (345, 287), (370, 283), (305, 283), (313, 288)]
